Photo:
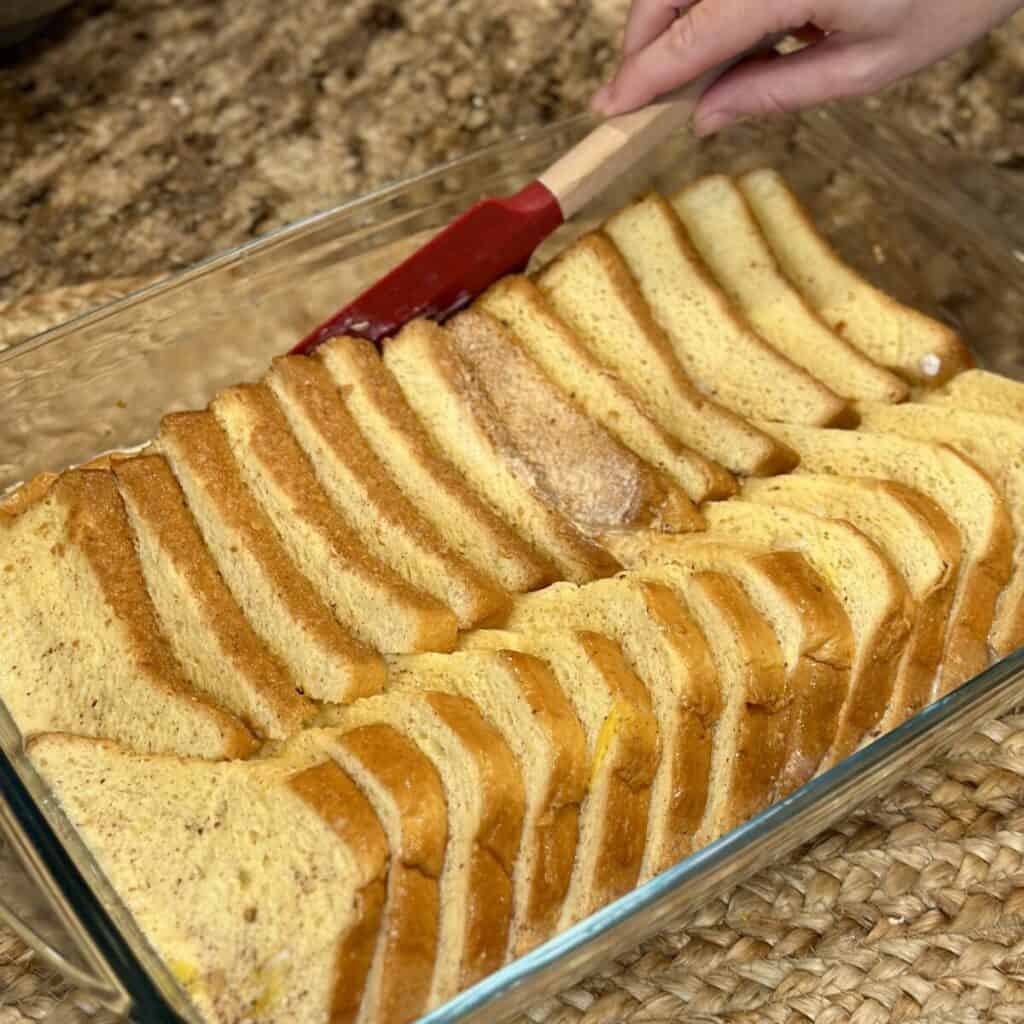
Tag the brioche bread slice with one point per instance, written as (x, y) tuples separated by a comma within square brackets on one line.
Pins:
[(360, 487), (726, 236), (81, 649), (871, 592), (520, 697), (211, 638), (917, 538), (437, 386), (716, 346), (809, 623), (467, 524), (284, 609), (621, 732), (913, 345), (995, 444), (486, 803), (981, 391), (520, 305), (367, 596), (668, 652), (965, 495), (14, 502), (590, 287), (248, 843), (592, 479)]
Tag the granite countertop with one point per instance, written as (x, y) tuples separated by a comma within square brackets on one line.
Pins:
[(142, 135)]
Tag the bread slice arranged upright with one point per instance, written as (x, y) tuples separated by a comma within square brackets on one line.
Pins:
[(906, 341), (981, 391), (715, 345), (995, 444), (438, 387), (668, 652), (965, 494), (367, 596), (917, 538), (591, 288), (727, 238), (520, 305), (360, 487), (486, 803), (811, 627), (250, 842), (870, 590), (216, 647), (520, 697), (81, 649), (467, 523), (324, 660), (614, 710)]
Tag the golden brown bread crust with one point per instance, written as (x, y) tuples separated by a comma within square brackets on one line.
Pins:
[(154, 493), (27, 494), (337, 800)]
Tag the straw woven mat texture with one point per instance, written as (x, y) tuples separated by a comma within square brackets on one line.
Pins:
[(911, 910)]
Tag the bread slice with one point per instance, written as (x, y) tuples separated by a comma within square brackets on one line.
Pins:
[(717, 348), (917, 538), (367, 596), (981, 391), (727, 238), (81, 648), (995, 444), (668, 652), (614, 709), (362, 490), (486, 802), (211, 638), (871, 592), (22, 497), (911, 344), (467, 524), (591, 288), (214, 860), (809, 623), (406, 794), (520, 305), (284, 609), (436, 386), (520, 697), (582, 470), (964, 494)]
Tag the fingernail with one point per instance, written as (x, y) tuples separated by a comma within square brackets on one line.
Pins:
[(714, 122)]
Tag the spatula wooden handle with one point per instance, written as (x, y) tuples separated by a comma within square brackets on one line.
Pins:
[(618, 143)]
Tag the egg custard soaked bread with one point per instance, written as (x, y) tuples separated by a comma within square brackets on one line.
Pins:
[(809, 623), (437, 387), (361, 488), (668, 652), (366, 595), (727, 238), (717, 348), (906, 341), (870, 590), (519, 304), (917, 538), (592, 290), (81, 649), (216, 647), (965, 495), (467, 524), (520, 698), (614, 710), (325, 661), (250, 842)]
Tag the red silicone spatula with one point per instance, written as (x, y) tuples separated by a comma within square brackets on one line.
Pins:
[(497, 236)]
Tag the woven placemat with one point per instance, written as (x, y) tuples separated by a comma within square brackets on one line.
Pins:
[(911, 910)]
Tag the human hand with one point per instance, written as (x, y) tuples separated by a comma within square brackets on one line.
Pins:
[(855, 47)]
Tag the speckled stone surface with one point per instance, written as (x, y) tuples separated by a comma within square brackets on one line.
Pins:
[(142, 135)]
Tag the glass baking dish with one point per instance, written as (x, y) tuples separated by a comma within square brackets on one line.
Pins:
[(935, 231)]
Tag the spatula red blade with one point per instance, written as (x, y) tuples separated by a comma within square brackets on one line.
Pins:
[(495, 237)]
